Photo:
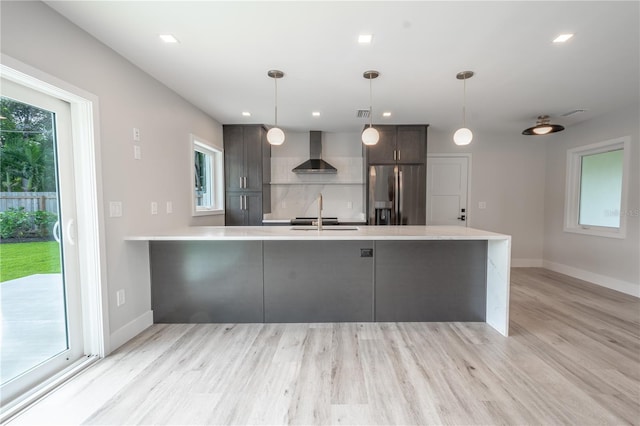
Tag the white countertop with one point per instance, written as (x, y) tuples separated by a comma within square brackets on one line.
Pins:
[(247, 233)]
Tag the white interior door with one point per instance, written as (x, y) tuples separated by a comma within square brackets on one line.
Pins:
[(447, 190), (41, 315)]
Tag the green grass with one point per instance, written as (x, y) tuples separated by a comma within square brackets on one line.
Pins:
[(22, 259)]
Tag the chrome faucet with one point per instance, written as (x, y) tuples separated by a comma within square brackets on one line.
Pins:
[(319, 221)]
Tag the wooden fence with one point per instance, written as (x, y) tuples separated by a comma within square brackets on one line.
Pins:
[(30, 201)]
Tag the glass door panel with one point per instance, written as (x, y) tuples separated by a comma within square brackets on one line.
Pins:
[(41, 331)]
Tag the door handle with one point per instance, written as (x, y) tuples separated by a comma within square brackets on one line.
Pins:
[(394, 155), (463, 218), (244, 182), (56, 231), (70, 226)]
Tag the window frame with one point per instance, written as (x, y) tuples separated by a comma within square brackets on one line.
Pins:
[(573, 182), (216, 156)]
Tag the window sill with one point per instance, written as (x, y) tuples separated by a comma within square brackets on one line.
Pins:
[(597, 232), (207, 212)]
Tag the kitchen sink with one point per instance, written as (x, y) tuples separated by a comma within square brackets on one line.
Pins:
[(324, 228)]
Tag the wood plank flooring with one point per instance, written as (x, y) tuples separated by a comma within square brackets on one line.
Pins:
[(573, 358)]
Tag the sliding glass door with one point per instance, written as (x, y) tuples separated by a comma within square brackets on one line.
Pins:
[(39, 289)]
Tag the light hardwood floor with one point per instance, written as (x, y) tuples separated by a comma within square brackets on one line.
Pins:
[(573, 358)]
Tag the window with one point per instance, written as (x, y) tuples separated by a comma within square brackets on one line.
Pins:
[(596, 188), (207, 181)]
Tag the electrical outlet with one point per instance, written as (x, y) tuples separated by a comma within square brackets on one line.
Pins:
[(482, 205), (115, 208), (169, 207), (136, 134), (120, 297), (349, 204), (154, 207), (137, 152)]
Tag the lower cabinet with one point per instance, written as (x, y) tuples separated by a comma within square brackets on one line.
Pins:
[(243, 209), (206, 281), (431, 280), (318, 281)]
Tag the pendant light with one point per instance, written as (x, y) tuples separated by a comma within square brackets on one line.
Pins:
[(370, 136), (463, 136), (543, 127), (275, 135)]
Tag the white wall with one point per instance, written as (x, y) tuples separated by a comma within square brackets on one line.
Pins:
[(508, 173), (611, 262), (37, 36)]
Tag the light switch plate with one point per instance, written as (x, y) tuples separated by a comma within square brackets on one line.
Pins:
[(169, 207), (120, 297), (137, 152), (482, 205), (154, 207), (115, 208), (136, 134)]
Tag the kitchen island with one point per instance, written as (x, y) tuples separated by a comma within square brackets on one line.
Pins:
[(345, 274)]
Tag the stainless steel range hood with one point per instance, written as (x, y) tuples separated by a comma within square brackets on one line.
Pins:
[(315, 164)]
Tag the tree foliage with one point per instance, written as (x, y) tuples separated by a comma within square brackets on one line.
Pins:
[(27, 149)]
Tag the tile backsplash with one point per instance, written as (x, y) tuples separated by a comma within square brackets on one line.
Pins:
[(294, 195)]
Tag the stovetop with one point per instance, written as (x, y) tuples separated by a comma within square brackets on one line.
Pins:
[(309, 220)]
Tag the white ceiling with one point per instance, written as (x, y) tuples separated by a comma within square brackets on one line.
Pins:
[(226, 49)]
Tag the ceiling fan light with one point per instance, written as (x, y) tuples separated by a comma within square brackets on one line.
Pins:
[(462, 136), (275, 136), (542, 130), (543, 127), (370, 136)]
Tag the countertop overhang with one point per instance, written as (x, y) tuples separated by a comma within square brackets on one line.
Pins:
[(274, 233)]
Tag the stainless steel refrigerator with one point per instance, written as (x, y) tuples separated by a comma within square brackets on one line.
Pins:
[(396, 195)]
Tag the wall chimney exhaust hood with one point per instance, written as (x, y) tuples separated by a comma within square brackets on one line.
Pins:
[(315, 164)]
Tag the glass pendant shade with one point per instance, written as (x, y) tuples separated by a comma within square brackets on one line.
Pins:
[(462, 136), (275, 136), (370, 136)]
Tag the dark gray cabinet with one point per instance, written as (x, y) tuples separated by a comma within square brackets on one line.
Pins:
[(431, 280), (247, 165), (206, 281), (401, 144), (318, 281), (243, 208)]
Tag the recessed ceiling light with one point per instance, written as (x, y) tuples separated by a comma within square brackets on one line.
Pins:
[(168, 38), (246, 114), (365, 38), (386, 114), (562, 38), (316, 113)]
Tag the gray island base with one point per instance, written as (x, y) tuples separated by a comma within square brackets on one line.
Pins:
[(414, 273)]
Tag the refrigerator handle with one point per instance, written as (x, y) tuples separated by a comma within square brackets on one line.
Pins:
[(396, 194), (400, 196)]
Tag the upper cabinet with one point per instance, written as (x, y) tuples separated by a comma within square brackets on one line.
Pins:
[(247, 157), (247, 172), (399, 145)]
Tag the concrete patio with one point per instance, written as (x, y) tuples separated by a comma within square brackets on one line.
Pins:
[(33, 327)]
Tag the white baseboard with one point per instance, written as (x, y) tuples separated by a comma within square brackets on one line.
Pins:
[(526, 263), (601, 280), (130, 330)]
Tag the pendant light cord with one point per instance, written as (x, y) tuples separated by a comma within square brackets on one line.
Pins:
[(464, 102), (276, 106), (370, 102)]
